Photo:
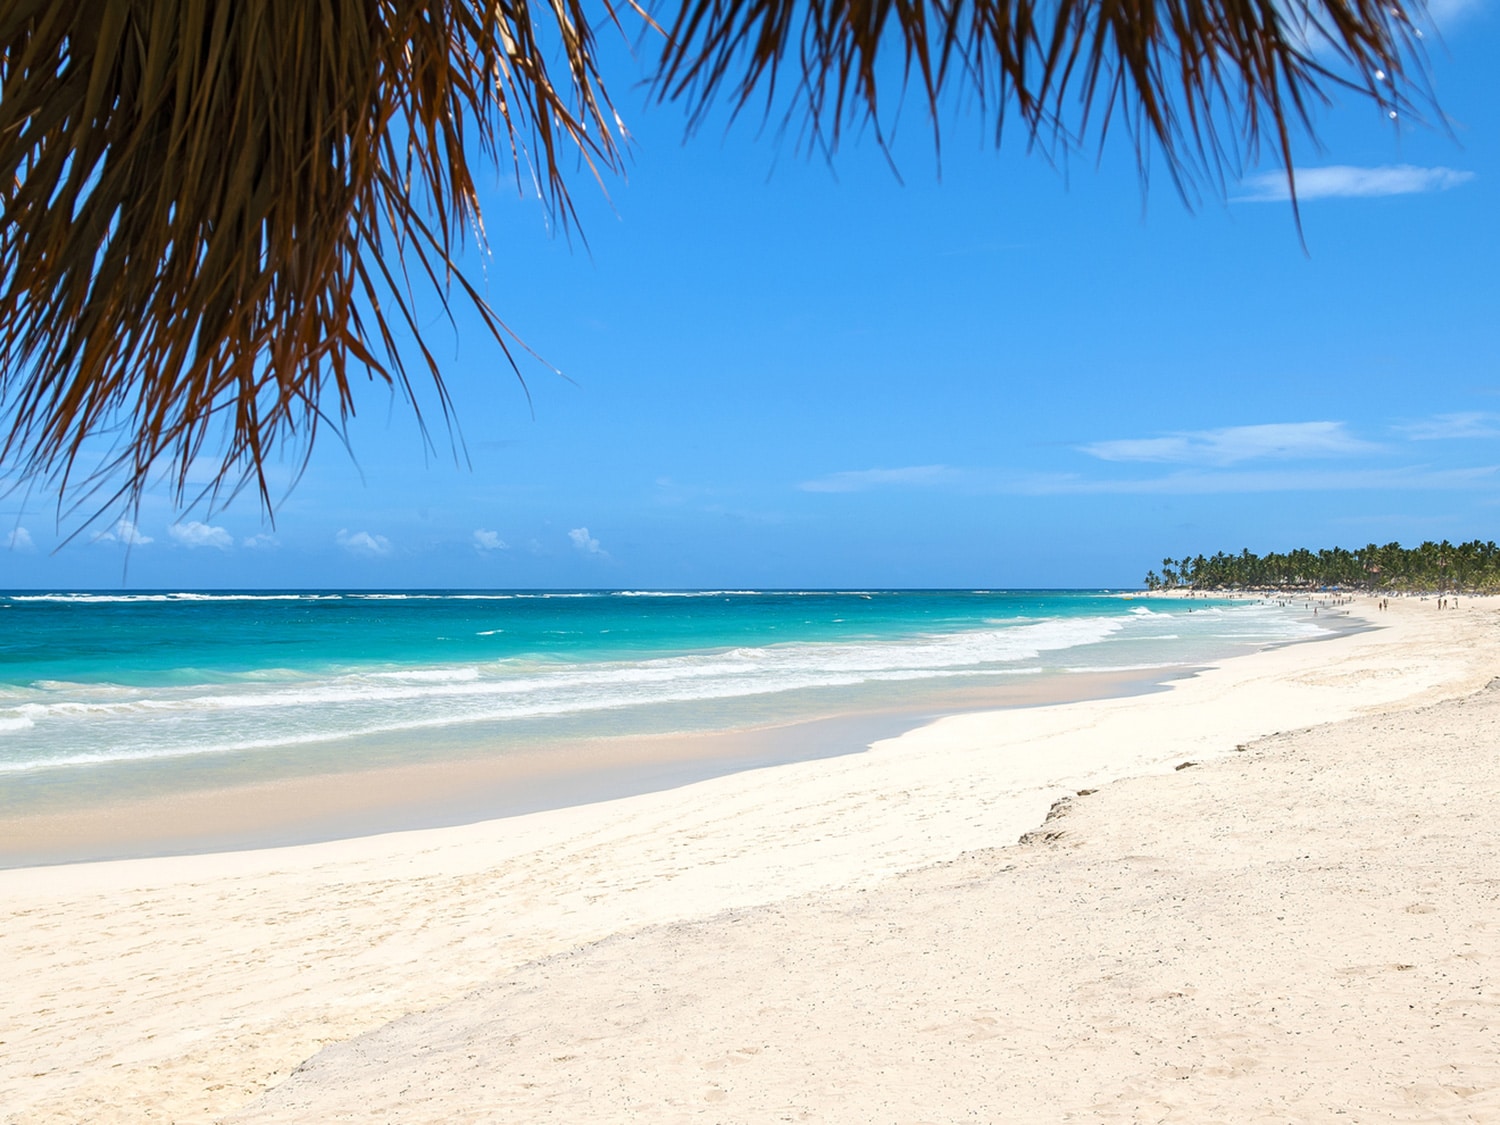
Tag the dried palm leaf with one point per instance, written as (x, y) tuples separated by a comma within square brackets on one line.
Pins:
[(211, 207), (1205, 80)]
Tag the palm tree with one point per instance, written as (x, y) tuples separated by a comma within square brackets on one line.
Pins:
[(213, 209), (1466, 567)]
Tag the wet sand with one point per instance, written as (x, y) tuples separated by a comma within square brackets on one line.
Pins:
[(504, 783)]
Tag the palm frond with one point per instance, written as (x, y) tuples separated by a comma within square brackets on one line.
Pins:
[(1204, 81), (211, 208)]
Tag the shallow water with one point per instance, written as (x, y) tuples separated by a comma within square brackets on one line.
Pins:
[(106, 696)]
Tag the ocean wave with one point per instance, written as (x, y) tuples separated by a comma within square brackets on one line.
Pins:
[(463, 674), (741, 670), (123, 599), (191, 719), (536, 709), (54, 724), (686, 593), (86, 598)]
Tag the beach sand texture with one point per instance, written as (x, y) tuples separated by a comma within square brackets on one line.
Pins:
[(1306, 927), (1288, 936)]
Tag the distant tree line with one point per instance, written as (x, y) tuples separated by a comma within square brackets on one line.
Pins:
[(1465, 567)]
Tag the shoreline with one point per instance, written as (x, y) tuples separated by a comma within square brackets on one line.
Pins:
[(185, 986), (172, 762), (379, 800)]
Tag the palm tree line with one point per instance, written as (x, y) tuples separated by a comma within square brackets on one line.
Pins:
[(1472, 567)]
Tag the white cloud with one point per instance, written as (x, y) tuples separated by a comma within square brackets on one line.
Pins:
[(1444, 427), (1197, 483), (489, 541), (1343, 181), (585, 542), (19, 539), (262, 541), (363, 543), (860, 480), (124, 532), (1228, 446), (195, 534)]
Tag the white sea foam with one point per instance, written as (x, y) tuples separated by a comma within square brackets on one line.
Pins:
[(75, 724), (84, 598), (111, 722), (461, 674), (738, 671), (106, 599), (537, 708), (685, 593)]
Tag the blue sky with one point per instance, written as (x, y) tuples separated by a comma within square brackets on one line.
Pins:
[(1015, 374)]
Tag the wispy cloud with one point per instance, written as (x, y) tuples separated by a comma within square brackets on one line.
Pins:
[(1446, 427), (1198, 482), (1233, 444), (487, 541), (19, 539), (585, 542), (261, 542), (124, 532), (1344, 181), (862, 480), (363, 543), (204, 470), (195, 534), (1444, 13)]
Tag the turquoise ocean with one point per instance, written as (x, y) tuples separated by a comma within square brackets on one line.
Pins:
[(114, 695)]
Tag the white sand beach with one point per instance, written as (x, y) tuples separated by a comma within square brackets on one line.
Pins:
[(1307, 928)]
